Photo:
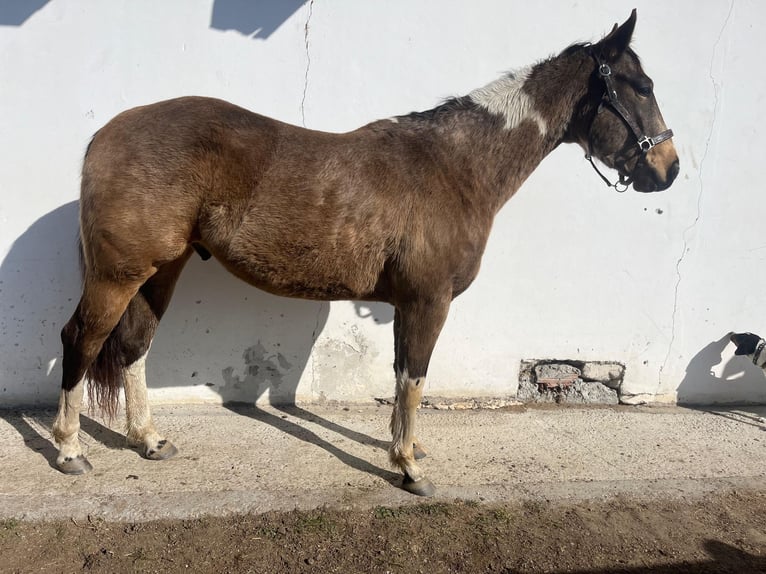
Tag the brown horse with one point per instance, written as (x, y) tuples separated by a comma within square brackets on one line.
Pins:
[(396, 211)]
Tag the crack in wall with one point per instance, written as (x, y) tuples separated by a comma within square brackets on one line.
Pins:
[(306, 44), (698, 216)]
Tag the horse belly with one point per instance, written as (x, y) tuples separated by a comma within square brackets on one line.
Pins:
[(309, 272)]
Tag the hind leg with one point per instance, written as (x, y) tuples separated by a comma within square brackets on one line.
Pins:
[(420, 323), (141, 432), (70, 459), (100, 308), (141, 320)]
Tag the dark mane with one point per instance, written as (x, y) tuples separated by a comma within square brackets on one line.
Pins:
[(579, 46), (574, 48), (446, 108)]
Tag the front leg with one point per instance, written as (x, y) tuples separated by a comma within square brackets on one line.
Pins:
[(417, 325), (141, 432), (404, 450), (419, 451)]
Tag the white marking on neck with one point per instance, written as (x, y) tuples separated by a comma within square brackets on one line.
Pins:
[(506, 97)]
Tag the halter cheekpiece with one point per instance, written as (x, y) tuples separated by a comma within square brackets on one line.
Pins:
[(645, 142)]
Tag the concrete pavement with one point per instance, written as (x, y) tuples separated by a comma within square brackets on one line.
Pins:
[(246, 459)]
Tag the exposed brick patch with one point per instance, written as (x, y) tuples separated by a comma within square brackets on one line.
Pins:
[(570, 381), (555, 375)]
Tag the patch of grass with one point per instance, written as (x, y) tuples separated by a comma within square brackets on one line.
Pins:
[(431, 509), (315, 522), (384, 512), (138, 554), (501, 515), (9, 524), (267, 532), (60, 531), (423, 509)]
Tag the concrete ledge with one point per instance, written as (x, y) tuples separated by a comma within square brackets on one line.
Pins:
[(258, 459)]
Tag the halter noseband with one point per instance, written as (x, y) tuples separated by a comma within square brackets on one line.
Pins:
[(645, 143)]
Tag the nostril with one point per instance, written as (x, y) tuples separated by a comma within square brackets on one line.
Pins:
[(673, 172)]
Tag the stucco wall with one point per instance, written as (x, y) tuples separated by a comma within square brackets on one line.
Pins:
[(572, 271)]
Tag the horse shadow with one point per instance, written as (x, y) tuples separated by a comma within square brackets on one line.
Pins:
[(34, 427), (714, 375), (260, 344)]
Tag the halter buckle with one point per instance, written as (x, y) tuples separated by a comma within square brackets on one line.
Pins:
[(604, 70), (646, 143)]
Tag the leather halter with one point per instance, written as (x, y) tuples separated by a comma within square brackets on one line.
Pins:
[(645, 143)]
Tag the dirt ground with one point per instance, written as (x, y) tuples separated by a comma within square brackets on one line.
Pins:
[(721, 533)]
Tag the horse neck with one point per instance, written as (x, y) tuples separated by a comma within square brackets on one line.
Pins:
[(500, 133)]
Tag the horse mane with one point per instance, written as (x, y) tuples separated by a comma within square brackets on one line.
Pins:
[(574, 48), (580, 46), (443, 110), (468, 103)]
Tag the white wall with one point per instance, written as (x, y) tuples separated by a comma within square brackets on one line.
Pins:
[(572, 271)]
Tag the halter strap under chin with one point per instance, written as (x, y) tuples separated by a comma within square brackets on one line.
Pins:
[(645, 143)]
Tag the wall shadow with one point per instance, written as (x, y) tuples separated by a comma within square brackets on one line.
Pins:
[(16, 12), (212, 313), (381, 313), (39, 289), (253, 18)]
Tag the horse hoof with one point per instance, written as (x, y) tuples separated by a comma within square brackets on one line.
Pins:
[(422, 487), (76, 465), (165, 450), (418, 453)]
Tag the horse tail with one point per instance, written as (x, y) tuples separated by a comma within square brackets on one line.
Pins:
[(106, 374), (127, 343)]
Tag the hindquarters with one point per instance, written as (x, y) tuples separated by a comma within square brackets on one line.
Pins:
[(138, 207)]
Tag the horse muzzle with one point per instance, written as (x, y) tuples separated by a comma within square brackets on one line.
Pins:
[(648, 177)]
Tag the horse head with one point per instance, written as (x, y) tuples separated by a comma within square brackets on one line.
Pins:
[(622, 124)]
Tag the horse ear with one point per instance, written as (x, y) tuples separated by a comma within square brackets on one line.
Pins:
[(618, 40)]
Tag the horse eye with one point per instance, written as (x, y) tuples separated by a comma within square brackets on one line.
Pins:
[(644, 91)]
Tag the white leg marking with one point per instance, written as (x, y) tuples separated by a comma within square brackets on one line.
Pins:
[(67, 424), (409, 393), (141, 431)]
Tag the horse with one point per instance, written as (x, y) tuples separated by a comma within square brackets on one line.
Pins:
[(397, 211)]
